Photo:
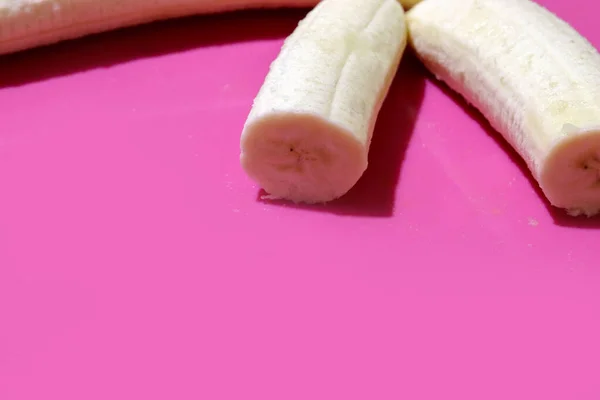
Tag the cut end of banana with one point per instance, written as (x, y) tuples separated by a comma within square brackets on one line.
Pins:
[(301, 157), (533, 77), (570, 177)]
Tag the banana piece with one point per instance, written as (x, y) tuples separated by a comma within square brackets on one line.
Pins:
[(534, 78), (31, 23), (307, 136)]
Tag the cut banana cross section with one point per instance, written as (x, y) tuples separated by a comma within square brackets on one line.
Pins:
[(308, 133), (534, 78)]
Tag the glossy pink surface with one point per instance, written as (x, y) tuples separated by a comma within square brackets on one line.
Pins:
[(137, 263)]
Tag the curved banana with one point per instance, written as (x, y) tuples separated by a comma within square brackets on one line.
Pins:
[(31, 23), (308, 134), (534, 78)]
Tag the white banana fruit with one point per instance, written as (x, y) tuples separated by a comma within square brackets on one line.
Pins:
[(31, 23), (307, 136), (534, 78)]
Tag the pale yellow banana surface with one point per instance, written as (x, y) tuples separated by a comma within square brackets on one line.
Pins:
[(532, 76), (30, 23), (308, 134)]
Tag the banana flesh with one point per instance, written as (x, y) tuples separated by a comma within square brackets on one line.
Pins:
[(26, 24), (307, 136), (534, 78)]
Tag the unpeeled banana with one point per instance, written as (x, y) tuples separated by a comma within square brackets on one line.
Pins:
[(534, 78)]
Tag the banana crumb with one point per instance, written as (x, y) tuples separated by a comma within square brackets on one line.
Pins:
[(533, 222)]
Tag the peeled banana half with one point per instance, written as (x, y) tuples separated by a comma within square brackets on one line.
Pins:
[(307, 136), (534, 78)]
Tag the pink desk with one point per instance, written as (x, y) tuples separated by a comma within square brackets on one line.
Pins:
[(137, 263)]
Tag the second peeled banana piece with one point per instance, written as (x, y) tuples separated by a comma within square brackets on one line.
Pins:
[(307, 136)]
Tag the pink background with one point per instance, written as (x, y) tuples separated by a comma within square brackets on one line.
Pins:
[(137, 263)]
